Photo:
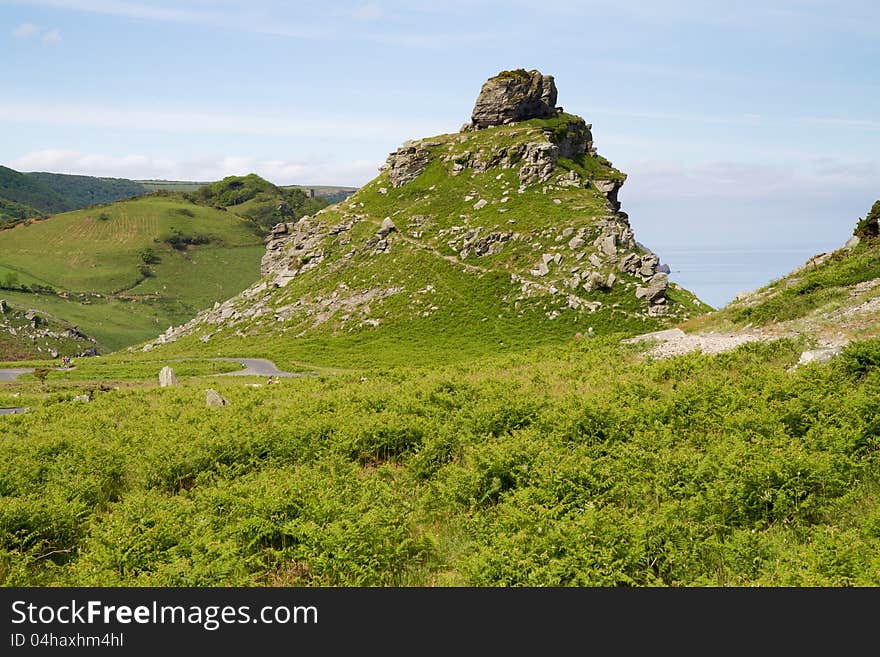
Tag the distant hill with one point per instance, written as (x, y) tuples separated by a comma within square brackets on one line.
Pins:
[(333, 194), (124, 271), (154, 185), (258, 201), (19, 188), (37, 194), (83, 191)]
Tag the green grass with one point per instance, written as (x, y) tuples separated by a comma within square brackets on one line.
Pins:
[(798, 294), (558, 466), (93, 257), (96, 249)]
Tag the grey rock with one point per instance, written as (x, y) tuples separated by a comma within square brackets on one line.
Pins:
[(167, 377), (575, 243), (655, 291), (539, 161), (386, 227), (3, 306), (514, 96), (819, 355), (609, 189), (214, 399), (852, 242), (407, 163)]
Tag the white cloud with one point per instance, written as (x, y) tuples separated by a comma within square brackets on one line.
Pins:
[(26, 31), (245, 122), (750, 182), (314, 171), (52, 36), (367, 12), (241, 18)]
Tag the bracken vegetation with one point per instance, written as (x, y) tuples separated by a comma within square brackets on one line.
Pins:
[(573, 465)]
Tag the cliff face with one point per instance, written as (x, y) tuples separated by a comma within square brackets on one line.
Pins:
[(517, 224)]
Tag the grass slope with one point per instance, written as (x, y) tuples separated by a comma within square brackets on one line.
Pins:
[(426, 299), (94, 259)]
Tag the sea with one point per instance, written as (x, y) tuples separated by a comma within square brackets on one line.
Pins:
[(717, 273)]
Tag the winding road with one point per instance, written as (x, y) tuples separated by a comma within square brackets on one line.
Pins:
[(13, 373), (11, 411), (258, 367)]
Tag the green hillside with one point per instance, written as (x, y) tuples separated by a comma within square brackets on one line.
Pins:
[(31, 192), (257, 200), (83, 191), (12, 213), (475, 261), (124, 271)]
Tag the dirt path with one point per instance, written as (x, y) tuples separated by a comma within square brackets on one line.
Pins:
[(675, 342)]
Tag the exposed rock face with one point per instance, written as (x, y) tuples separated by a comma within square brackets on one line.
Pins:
[(274, 249), (514, 96), (293, 248), (609, 189), (407, 163), (539, 162)]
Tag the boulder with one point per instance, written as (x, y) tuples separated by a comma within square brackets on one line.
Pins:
[(386, 227), (514, 96), (214, 399), (167, 377), (819, 355)]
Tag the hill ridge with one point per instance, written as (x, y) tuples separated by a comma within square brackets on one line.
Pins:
[(529, 204)]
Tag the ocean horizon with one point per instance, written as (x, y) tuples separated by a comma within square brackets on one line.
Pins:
[(716, 273)]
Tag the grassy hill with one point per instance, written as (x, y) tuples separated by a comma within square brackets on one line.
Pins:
[(83, 191), (22, 189), (257, 200), (474, 261), (39, 194), (124, 271)]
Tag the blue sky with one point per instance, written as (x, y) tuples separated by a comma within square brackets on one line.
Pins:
[(749, 125)]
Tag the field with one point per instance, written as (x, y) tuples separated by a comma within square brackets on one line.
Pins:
[(115, 272), (577, 463)]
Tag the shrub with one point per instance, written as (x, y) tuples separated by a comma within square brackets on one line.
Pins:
[(869, 227), (148, 256), (859, 357)]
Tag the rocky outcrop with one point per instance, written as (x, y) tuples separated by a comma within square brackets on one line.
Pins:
[(407, 163), (609, 189), (539, 162), (514, 96), (293, 248)]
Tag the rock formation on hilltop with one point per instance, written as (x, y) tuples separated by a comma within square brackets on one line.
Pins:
[(521, 198), (514, 96)]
